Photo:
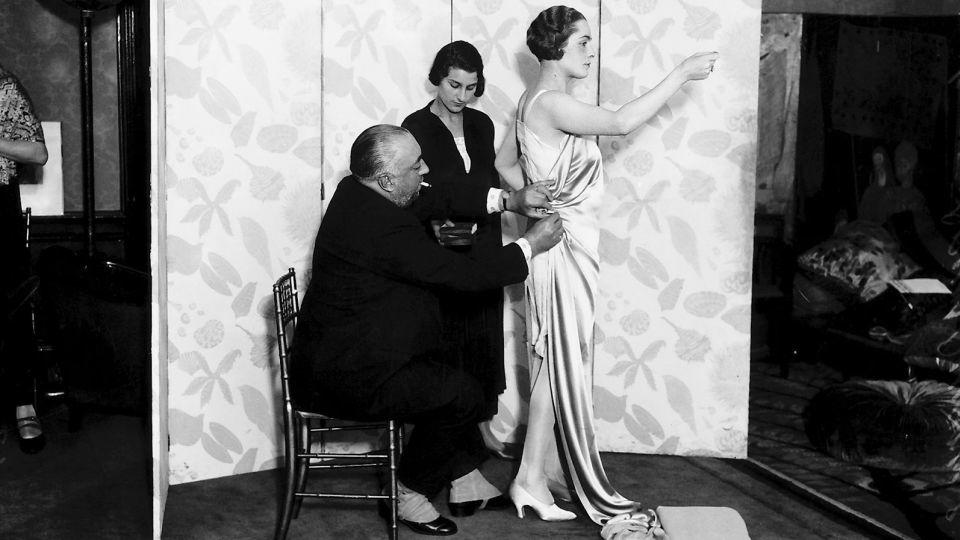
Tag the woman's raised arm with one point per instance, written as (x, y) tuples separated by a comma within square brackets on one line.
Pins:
[(569, 115)]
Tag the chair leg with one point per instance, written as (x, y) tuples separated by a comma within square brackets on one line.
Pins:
[(283, 525), (395, 434), (303, 465)]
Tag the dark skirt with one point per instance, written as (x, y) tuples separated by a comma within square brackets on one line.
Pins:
[(473, 327)]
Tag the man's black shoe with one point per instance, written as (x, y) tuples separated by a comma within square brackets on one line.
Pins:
[(438, 527)]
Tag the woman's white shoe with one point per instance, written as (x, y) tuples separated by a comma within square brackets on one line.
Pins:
[(547, 512)]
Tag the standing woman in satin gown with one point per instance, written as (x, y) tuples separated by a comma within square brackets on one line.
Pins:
[(554, 142), (457, 145)]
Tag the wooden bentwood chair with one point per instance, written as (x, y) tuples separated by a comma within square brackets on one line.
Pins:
[(299, 425)]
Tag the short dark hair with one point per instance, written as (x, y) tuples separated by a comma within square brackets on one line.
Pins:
[(370, 156), (460, 55), (549, 32)]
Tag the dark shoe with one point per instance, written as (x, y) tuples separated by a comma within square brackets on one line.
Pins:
[(438, 527), (31, 435), (468, 508)]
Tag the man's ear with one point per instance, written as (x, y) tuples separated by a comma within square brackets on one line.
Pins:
[(386, 183)]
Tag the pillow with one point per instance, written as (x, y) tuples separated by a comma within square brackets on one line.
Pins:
[(861, 258)]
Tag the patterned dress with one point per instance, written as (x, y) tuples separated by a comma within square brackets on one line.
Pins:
[(17, 121)]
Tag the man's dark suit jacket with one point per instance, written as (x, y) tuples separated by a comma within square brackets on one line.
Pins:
[(371, 305)]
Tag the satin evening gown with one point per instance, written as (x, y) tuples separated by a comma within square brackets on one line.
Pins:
[(561, 296)]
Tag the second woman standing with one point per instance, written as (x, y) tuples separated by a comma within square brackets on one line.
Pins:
[(457, 142)]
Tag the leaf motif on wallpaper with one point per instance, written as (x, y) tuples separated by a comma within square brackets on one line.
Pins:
[(706, 304), (637, 431), (214, 281), (739, 318), (680, 400), (651, 264), (617, 346), (240, 134), (673, 135), (311, 152), (189, 362), (745, 156), (262, 348), (691, 345), (257, 409), (223, 95), (225, 437), (272, 463), (502, 107), (277, 138), (367, 98), (397, 68), (669, 446), (337, 79), (649, 422), (670, 294), (255, 70), (185, 429), (190, 189), (709, 142), (684, 240), (265, 183), (244, 299), (613, 250), (224, 269), (182, 256), (181, 80), (615, 88), (695, 185), (700, 22), (213, 108), (214, 449), (245, 464), (256, 243), (608, 406)]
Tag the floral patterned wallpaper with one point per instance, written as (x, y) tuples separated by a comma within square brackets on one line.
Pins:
[(40, 45), (243, 184), (249, 83)]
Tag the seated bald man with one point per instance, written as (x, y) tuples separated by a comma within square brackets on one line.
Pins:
[(367, 344)]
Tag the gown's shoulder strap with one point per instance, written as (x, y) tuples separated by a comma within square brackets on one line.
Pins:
[(525, 101)]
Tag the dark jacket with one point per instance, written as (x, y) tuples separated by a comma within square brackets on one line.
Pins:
[(371, 305), (440, 153)]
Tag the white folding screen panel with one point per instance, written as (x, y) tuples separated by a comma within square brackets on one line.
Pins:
[(242, 105), (672, 364)]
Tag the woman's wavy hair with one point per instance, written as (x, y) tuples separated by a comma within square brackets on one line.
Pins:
[(549, 32), (459, 55)]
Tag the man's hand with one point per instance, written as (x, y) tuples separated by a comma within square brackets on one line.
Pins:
[(545, 233), (532, 201)]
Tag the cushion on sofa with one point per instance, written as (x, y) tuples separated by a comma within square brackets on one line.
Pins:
[(861, 258)]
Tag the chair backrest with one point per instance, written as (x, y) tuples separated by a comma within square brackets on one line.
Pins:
[(286, 310)]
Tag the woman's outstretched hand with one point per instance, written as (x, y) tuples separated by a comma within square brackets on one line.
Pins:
[(698, 66)]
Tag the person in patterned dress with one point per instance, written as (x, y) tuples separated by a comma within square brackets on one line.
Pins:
[(21, 142)]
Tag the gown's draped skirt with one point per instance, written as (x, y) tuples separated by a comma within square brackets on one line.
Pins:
[(561, 295)]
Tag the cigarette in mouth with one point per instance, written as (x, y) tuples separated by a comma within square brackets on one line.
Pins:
[(424, 184)]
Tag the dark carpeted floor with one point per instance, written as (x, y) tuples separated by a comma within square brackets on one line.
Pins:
[(920, 505), (94, 483), (242, 507)]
